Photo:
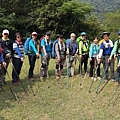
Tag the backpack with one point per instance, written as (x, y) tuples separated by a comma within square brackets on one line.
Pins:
[(26, 46), (40, 47), (53, 54)]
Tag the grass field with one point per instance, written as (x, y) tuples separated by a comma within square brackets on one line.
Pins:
[(54, 101)]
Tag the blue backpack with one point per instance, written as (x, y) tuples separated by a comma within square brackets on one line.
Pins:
[(53, 54), (26, 46)]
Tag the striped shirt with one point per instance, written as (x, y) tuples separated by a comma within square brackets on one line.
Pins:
[(18, 49)]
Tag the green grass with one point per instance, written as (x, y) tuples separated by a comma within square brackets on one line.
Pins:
[(53, 101)]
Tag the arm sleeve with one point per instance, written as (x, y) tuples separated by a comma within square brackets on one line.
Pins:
[(33, 47), (114, 49), (1, 58), (90, 52), (57, 50), (43, 46), (80, 47), (101, 50), (15, 47)]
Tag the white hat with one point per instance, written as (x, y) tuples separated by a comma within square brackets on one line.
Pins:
[(72, 34), (34, 33), (5, 31)]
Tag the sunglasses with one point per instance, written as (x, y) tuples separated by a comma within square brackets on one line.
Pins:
[(34, 35), (5, 34), (18, 37)]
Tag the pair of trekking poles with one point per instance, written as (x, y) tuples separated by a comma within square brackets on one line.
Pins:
[(11, 89)]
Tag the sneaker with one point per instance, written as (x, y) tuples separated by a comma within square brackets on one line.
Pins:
[(92, 78), (95, 79), (116, 83), (57, 77), (113, 80), (98, 78), (106, 80), (31, 79), (41, 78)]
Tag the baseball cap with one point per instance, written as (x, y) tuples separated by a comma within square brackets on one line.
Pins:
[(72, 34), (61, 36), (83, 33), (34, 33), (5, 31), (48, 33)]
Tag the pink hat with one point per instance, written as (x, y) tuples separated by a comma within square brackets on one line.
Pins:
[(34, 33)]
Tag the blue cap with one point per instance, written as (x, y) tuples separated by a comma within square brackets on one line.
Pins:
[(48, 33), (119, 33), (83, 33)]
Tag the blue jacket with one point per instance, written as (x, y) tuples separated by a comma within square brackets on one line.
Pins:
[(72, 46), (32, 48), (94, 50)]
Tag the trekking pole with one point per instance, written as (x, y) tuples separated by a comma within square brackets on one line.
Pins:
[(28, 80), (102, 79), (18, 77), (113, 95), (11, 90), (81, 85), (116, 99), (67, 81), (93, 78)]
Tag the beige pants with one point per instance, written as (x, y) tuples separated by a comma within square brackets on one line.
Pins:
[(59, 67), (44, 66)]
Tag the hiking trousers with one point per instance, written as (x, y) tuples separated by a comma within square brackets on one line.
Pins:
[(17, 63), (83, 60), (71, 65), (44, 66), (32, 60), (93, 65), (59, 67), (111, 65)]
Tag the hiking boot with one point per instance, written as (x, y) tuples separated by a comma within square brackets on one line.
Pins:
[(31, 79), (15, 83)]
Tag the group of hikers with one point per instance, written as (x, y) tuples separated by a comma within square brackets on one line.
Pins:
[(100, 52)]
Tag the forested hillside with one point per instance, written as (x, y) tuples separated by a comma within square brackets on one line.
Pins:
[(103, 6)]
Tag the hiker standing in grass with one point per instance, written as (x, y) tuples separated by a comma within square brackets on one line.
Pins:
[(93, 54), (72, 50), (83, 43), (2, 65), (116, 50), (6, 45), (46, 45), (18, 55), (60, 51), (105, 51), (33, 55)]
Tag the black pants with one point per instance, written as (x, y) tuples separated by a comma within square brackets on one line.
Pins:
[(32, 60), (84, 60), (93, 67), (17, 68)]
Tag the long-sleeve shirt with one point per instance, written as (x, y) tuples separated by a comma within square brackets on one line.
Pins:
[(94, 50), (33, 47), (115, 48), (18, 49)]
